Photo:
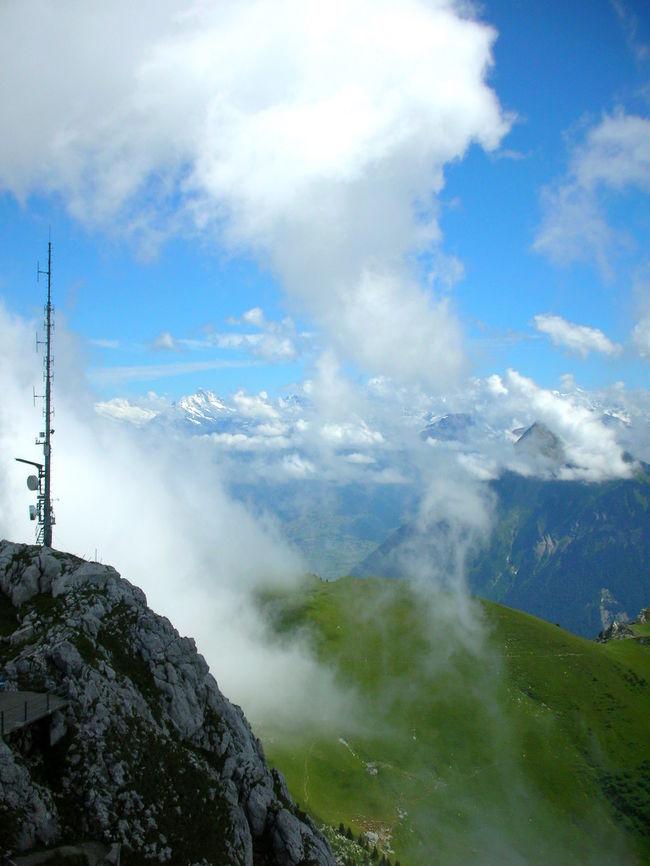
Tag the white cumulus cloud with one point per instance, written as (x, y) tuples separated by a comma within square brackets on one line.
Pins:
[(313, 135), (255, 316), (122, 409), (592, 451)]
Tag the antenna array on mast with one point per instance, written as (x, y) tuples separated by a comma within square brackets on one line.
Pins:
[(42, 511)]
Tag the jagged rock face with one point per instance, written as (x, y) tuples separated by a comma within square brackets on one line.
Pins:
[(148, 754), (538, 441), (611, 611), (621, 629)]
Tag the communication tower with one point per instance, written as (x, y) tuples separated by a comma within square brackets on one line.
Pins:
[(41, 483)]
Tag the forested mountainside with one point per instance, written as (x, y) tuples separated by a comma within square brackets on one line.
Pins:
[(571, 552)]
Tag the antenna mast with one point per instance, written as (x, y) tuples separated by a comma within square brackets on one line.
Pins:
[(42, 482), (46, 440)]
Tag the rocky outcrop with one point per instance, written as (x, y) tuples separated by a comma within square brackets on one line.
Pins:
[(148, 754), (616, 631), (611, 610), (623, 630)]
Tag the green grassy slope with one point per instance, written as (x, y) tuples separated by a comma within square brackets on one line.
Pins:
[(481, 734)]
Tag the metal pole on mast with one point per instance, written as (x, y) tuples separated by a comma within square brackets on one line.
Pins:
[(41, 483), (47, 446)]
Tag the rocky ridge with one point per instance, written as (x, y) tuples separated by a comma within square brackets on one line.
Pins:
[(148, 754), (624, 630)]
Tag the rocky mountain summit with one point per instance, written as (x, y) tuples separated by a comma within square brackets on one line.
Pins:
[(148, 758)]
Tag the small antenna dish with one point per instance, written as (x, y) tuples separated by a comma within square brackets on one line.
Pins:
[(32, 482), (33, 513)]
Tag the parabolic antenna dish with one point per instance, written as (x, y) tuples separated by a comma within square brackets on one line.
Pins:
[(32, 482)]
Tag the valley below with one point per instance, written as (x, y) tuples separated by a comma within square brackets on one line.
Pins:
[(480, 734)]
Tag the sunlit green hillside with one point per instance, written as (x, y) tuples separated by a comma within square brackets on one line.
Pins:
[(480, 735)]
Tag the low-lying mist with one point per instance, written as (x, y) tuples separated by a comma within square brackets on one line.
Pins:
[(155, 508), (454, 759)]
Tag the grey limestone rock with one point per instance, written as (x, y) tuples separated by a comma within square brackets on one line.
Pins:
[(21, 794), (150, 757)]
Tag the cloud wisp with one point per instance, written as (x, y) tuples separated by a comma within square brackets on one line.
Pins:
[(116, 375), (613, 159), (579, 339), (277, 342), (272, 341), (630, 25), (155, 507), (641, 337)]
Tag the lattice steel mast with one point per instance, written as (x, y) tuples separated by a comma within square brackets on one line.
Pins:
[(42, 482)]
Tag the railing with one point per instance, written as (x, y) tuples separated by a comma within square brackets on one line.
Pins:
[(18, 709)]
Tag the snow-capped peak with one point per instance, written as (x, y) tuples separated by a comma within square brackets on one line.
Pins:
[(203, 406)]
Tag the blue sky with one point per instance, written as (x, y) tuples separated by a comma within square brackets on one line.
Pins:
[(535, 193)]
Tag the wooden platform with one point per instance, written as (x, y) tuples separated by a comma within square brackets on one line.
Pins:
[(18, 709)]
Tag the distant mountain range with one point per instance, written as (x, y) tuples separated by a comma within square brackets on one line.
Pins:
[(340, 500), (572, 553), (206, 412)]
